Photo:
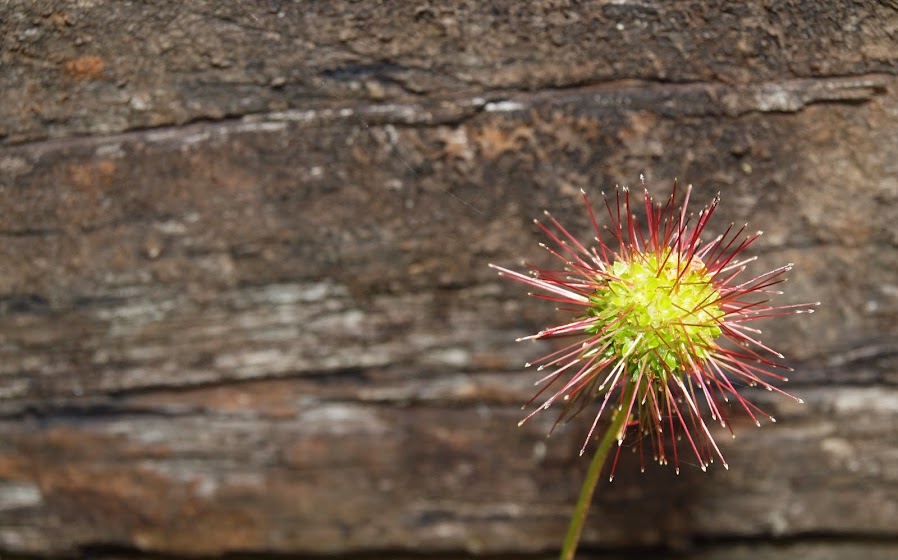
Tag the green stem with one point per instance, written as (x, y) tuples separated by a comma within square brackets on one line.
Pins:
[(592, 476)]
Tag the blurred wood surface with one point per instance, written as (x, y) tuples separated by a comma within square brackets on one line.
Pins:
[(245, 306)]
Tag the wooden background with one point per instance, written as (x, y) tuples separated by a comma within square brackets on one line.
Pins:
[(245, 305)]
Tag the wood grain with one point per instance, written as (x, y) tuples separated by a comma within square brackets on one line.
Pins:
[(246, 305)]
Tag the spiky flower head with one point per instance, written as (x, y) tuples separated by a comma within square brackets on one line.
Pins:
[(661, 316)]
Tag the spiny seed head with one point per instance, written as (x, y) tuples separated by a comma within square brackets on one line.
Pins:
[(655, 305), (659, 304)]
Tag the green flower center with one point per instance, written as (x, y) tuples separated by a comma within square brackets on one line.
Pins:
[(660, 314)]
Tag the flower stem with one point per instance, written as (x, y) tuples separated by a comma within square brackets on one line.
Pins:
[(592, 476)]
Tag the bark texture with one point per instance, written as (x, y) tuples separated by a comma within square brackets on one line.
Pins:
[(245, 307)]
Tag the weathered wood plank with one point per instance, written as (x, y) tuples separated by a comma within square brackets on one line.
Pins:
[(102, 67), (260, 248), (279, 466)]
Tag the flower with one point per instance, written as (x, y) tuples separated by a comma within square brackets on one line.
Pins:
[(660, 316)]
